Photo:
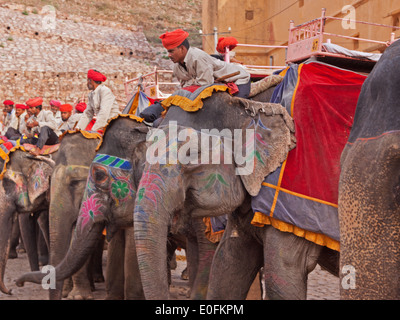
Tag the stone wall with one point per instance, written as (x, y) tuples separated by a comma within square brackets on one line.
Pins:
[(52, 60)]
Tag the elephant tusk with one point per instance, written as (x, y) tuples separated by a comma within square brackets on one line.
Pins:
[(48, 160)]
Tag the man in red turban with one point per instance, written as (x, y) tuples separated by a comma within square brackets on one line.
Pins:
[(101, 103), (55, 108), (17, 126), (194, 67), (69, 120), (9, 114), (41, 122)]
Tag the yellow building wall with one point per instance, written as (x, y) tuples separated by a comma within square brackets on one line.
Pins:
[(267, 22)]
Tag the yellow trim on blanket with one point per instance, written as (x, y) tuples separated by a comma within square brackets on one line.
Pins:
[(260, 220), (192, 105), (211, 235), (299, 195), (295, 89), (120, 115)]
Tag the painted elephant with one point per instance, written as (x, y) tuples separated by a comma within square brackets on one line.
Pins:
[(182, 190), (109, 200), (369, 189), (72, 160), (24, 189)]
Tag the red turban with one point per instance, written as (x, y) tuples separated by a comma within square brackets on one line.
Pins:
[(34, 102), (8, 102), (230, 42), (66, 108), (96, 76), (21, 106), (80, 107), (55, 103), (171, 40)]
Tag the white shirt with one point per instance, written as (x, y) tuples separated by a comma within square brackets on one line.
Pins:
[(103, 105), (202, 69)]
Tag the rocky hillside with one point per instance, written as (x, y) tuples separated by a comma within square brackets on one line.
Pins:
[(47, 46), (154, 16)]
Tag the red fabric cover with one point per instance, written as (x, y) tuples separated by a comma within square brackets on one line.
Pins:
[(230, 42), (171, 40), (328, 98), (21, 106)]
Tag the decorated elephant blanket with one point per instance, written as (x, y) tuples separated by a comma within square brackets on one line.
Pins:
[(301, 197), (191, 98)]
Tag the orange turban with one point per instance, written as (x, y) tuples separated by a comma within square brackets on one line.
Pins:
[(34, 102), (66, 108), (230, 42), (96, 76), (171, 40), (8, 102)]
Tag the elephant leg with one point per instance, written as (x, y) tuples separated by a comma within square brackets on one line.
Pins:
[(96, 263), (43, 221), (115, 272), (192, 259), (81, 289), (14, 241), (287, 261), (27, 224), (133, 282), (236, 262), (205, 253)]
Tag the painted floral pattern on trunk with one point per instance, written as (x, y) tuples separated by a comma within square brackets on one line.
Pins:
[(89, 210)]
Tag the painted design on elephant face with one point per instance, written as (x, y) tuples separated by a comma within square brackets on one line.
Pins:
[(120, 189), (148, 186), (113, 174), (38, 178), (20, 188), (215, 180), (257, 139), (89, 210)]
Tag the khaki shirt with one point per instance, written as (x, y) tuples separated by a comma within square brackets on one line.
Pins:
[(103, 105), (202, 69)]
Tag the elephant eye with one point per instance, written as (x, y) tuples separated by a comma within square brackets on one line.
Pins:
[(99, 175)]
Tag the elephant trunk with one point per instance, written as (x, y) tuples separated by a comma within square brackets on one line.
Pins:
[(82, 245), (6, 223), (151, 247), (61, 226)]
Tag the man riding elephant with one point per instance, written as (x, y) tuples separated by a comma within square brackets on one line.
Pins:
[(193, 66), (101, 102)]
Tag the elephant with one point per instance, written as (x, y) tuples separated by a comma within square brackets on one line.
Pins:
[(72, 160), (369, 202), (111, 191), (24, 190), (168, 192), (109, 196)]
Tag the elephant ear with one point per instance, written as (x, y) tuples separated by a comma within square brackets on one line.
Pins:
[(267, 137)]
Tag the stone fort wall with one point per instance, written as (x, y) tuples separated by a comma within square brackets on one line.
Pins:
[(48, 55)]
